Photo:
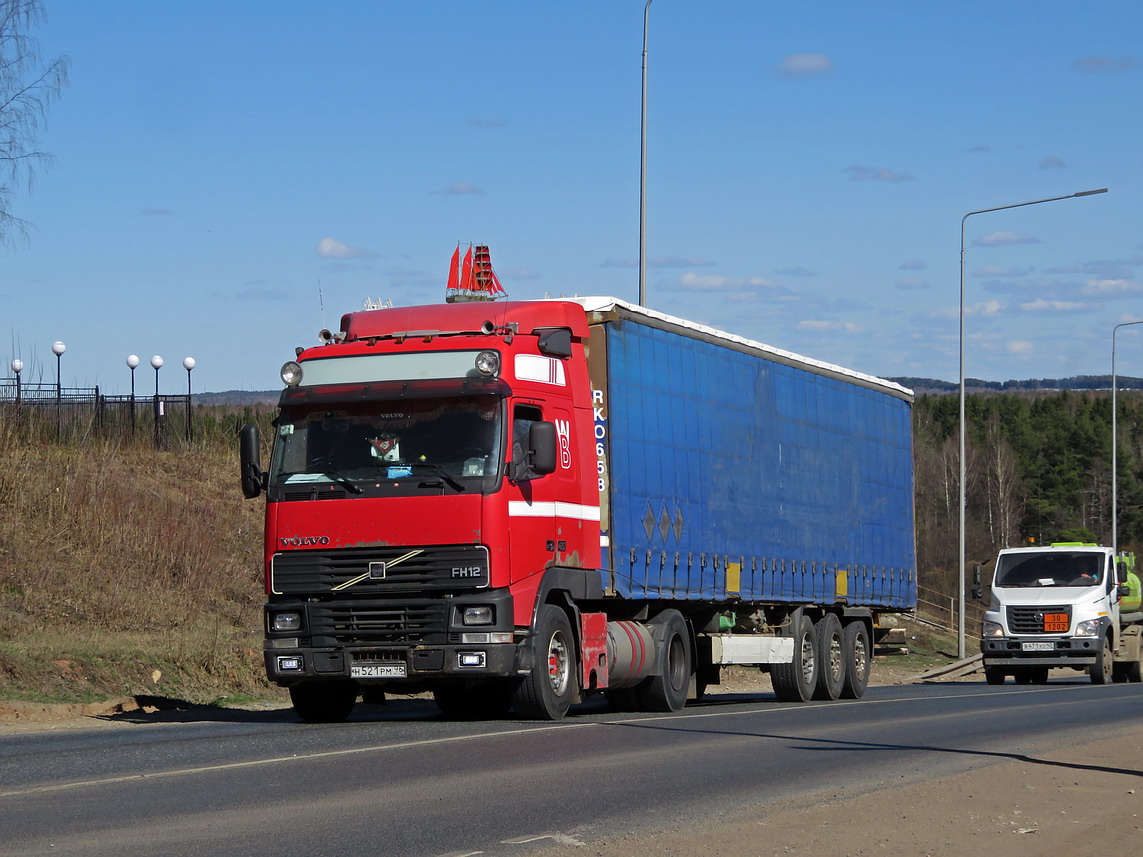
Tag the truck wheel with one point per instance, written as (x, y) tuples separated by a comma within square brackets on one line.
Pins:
[(1022, 675), (547, 691), (858, 661), (831, 658), (1101, 670), (994, 675), (795, 681), (324, 701), (1038, 675), (668, 692)]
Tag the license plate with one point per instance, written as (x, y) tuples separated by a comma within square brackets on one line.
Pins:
[(377, 671), (1038, 647)]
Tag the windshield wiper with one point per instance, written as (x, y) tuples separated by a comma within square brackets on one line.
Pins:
[(332, 475), (445, 476)]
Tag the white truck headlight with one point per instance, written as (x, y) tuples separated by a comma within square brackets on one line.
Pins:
[(1090, 628), (992, 629)]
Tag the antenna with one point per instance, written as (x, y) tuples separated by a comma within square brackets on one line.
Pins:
[(321, 303)]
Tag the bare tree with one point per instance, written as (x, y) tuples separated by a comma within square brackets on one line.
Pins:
[(26, 89)]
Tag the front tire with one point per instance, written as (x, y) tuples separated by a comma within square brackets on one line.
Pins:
[(546, 693), (1102, 670), (994, 675), (324, 701), (795, 681)]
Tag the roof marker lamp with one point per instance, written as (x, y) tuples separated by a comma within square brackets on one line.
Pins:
[(488, 363), (291, 374)]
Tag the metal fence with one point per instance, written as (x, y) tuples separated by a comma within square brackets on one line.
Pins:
[(76, 412)]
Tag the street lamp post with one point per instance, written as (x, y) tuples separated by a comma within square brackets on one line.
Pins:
[(960, 594), (188, 364), (1115, 442), (17, 368), (157, 364), (58, 349), (132, 364), (643, 169)]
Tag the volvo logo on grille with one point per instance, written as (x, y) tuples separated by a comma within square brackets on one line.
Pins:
[(377, 570), (301, 541)]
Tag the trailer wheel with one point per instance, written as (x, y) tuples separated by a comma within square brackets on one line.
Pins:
[(547, 691), (795, 681), (324, 701), (1104, 665), (668, 691), (994, 675), (858, 657), (831, 658)]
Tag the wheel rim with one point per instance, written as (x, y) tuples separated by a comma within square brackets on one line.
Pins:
[(558, 664), (836, 661), (807, 659), (676, 662), (860, 656)]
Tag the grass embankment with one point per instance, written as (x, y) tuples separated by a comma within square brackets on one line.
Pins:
[(125, 570)]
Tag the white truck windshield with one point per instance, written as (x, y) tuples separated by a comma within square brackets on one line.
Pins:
[(1058, 568)]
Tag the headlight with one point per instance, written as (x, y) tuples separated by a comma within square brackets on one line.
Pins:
[(488, 363), (992, 629), (291, 374), (286, 622), (482, 615), (1090, 628)]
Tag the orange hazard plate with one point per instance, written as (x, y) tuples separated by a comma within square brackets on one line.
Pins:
[(1056, 623)]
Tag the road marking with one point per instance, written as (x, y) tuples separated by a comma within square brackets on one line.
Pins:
[(381, 748), (558, 838)]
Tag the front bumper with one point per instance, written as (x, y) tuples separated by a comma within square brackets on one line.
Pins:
[(1063, 651), (421, 663)]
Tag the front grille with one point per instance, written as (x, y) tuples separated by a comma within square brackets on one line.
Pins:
[(377, 623), (1030, 620), (352, 572)]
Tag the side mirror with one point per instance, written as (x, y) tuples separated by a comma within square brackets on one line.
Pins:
[(976, 576), (1120, 572), (977, 593), (543, 447), (253, 477)]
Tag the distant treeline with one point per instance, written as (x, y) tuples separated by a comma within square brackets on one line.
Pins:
[(1038, 468), (1076, 382)]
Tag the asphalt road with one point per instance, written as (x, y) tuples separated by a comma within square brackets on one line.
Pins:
[(398, 780)]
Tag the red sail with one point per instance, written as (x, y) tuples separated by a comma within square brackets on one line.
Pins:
[(466, 283), (454, 272)]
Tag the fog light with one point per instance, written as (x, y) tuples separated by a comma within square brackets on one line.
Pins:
[(286, 622), (470, 659), (289, 664), (488, 363), (478, 637), (482, 615)]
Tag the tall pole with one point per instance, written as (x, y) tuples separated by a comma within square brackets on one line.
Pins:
[(58, 349), (643, 169), (132, 362), (157, 364), (961, 515), (188, 364), (17, 368), (1115, 442)]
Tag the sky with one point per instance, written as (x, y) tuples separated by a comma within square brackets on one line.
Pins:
[(230, 178)]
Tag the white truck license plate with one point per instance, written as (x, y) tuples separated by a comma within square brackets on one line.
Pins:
[(377, 671), (1038, 647)]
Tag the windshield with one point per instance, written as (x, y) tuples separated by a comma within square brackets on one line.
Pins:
[(1044, 569), (426, 443)]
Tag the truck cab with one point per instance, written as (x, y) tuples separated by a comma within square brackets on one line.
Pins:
[(1066, 605)]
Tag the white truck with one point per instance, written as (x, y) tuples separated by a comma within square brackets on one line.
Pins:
[(1069, 605)]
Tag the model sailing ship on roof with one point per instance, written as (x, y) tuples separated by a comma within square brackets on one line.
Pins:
[(473, 279)]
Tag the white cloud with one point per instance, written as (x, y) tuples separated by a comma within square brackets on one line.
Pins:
[(1003, 239), (797, 271), (987, 308), (995, 271), (331, 248), (1041, 305), (1110, 288), (913, 265), (829, 326), (1019, 346), (463, 189), (874, 174), (804, 65), (1051, 162)]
